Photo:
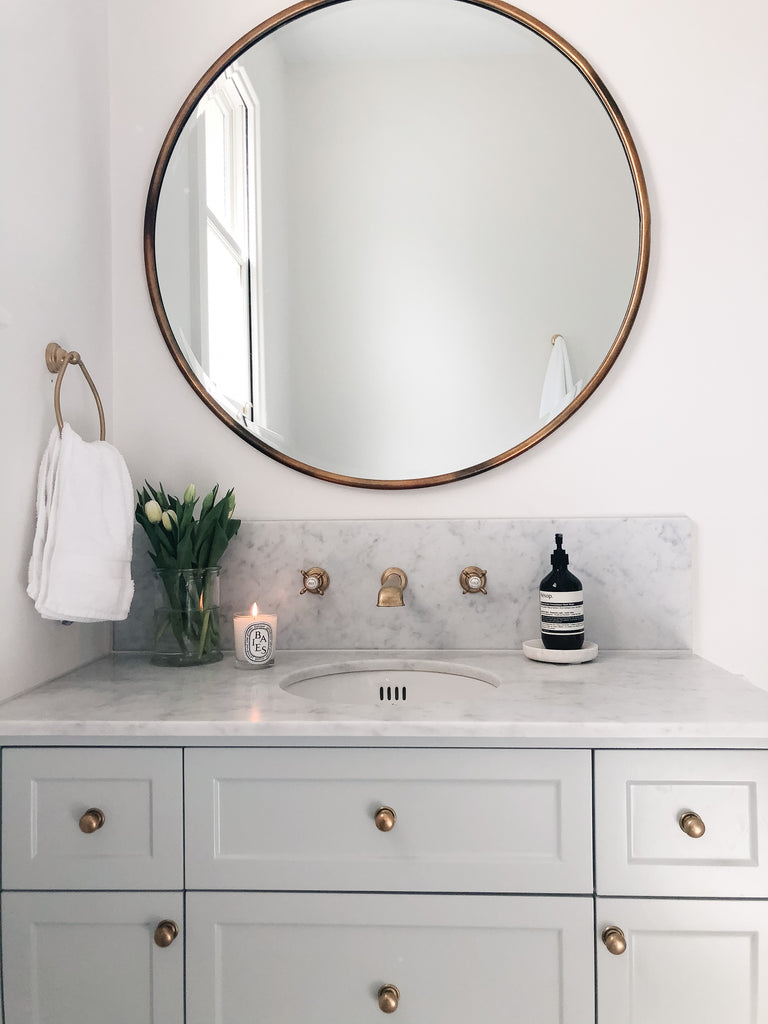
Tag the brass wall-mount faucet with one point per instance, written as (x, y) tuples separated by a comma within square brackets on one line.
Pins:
[(393, 583)]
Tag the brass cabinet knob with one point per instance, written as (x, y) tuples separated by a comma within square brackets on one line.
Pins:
[(692, 825), (165, 933), (614, 940), (389, 997), (92, 820), (385, 819)]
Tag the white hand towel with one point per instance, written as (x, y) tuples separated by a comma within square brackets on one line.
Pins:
[(558, 390), (80, 569), (48, 463)]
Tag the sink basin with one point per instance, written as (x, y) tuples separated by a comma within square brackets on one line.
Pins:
[(390, 682)]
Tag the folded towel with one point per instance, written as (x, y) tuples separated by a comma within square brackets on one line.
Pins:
[(558, 390), (80, 569)]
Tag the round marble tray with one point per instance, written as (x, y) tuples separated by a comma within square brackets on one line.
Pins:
[(536, 651)]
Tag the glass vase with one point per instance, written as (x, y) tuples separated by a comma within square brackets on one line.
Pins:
[(186, 618)]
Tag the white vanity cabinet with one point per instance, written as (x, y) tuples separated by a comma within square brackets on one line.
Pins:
[(333, 883), (92, 874), (672, 824)]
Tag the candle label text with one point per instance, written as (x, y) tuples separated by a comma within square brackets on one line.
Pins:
[(257, 642)]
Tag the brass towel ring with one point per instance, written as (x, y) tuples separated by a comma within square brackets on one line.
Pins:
[(57, 359)]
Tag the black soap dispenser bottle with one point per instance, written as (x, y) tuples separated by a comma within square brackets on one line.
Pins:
[(561, 602)]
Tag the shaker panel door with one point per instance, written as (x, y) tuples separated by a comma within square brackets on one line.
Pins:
[(685, 960), (91, 958)]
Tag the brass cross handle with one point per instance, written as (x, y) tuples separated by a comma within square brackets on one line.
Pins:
[(316, 581), (473, 580)]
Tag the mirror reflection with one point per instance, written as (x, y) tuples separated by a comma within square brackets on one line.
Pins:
[(397, 241)]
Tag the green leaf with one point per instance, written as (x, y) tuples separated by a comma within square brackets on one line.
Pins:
[(219, 543), (202, 541)]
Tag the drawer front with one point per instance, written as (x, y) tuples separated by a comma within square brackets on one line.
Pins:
[(91, 958), (704, 961), (45, 794), (280, 958), (641, 800), (465, 821)]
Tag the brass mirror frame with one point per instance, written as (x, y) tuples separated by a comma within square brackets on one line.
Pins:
[(161, 165)]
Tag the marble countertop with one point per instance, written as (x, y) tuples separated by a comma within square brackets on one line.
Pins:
[(621, 699)]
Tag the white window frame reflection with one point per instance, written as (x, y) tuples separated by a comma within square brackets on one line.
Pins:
[(228, 245)]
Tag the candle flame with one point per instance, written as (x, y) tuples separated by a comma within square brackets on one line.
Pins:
[(254, 610)]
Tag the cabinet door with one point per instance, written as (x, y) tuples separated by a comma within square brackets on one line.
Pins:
[(91, 958), (464, 821), (685, 960), (317, 958)]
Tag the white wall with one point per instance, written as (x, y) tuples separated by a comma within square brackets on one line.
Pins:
[(54, 284), (680, 424), (405, 248)]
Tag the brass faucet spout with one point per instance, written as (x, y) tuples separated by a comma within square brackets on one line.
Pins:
[(393, 583)]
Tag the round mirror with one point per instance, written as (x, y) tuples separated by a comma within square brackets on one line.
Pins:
[(393, 243)]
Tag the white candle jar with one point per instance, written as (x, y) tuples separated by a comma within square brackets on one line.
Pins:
[(255, 635)]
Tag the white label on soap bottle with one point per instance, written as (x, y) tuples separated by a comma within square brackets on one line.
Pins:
[(562, 612)]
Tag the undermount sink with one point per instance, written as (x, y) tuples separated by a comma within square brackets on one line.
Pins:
[(390, 682)]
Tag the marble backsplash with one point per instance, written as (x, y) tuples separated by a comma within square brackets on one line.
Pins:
[(636, 573)]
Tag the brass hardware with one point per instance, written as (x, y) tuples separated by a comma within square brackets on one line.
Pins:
[(389, 997), (316, 581), (385, 819), (692, 825), (393, 583), (614, 940), (57, 359), (165, 933), (472, 580), (92, 820)]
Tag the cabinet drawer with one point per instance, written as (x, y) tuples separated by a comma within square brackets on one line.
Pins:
[(641, 798), (280, 958), (466, 821), (46, 792)]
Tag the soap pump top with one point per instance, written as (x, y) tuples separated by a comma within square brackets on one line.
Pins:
[(559, 558), (561, 604)]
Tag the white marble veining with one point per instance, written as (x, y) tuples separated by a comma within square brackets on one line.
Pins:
[(622, 699), (636, 574)]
